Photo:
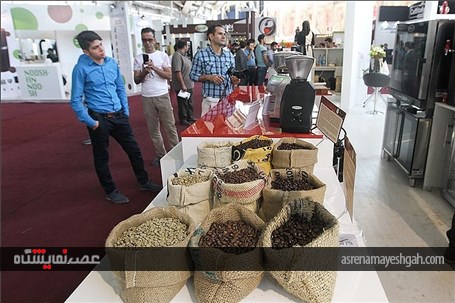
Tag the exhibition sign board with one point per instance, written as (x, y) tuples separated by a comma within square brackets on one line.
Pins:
[(41, 82)]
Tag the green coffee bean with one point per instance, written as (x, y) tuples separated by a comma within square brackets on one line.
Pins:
[(189, 180), (156, 232)]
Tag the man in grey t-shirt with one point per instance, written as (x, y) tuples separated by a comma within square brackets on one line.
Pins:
[(181, 82), (262, 60)]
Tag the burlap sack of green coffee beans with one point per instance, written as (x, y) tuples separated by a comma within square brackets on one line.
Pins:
[(190, 191), (261, 155), (218, 285), (248, 194), (139, 285), (311, 286), (214, 154), (274, 199), (295, 158)]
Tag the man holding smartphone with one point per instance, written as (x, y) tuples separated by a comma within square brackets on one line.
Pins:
[(152, 69)]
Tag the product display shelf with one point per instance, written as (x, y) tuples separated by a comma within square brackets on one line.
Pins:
[(351, 286)]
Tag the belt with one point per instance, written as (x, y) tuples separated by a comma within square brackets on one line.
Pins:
[(106, 115)]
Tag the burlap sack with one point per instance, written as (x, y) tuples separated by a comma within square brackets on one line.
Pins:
[(220, 285), (295, 158), (261, 156), (274, 199), (194, 199), (248, 194), (214, 154), (149, 286), (309, 286)]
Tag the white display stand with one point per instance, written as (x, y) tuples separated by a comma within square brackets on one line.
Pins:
[(41, 81), (351, 286)]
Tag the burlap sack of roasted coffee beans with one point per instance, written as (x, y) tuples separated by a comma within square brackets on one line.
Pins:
[(241, 183), (190, 191), (257, 149), (273, 199), (313, 286), (214, 154), (297, 154), (213, 284), (139, 285)]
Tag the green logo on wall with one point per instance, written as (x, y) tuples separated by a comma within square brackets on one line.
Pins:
[(23, 19)]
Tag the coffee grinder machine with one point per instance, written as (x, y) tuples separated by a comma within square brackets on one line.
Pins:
[(277, 83), (297, 101)]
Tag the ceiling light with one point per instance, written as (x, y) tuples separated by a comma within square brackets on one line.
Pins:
[(142, 22)]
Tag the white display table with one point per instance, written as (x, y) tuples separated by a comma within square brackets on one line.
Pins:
[(351, 286)]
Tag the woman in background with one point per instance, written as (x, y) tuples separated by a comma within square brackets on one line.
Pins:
[(306, 39)]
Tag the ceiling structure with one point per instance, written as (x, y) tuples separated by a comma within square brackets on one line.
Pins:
[(208, 10)]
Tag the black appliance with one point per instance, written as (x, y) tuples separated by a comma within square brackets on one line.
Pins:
[(297, 101), (406, 139), (421, 68), (277, 83)]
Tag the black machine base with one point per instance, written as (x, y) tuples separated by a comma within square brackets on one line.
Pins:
[(297, 107)]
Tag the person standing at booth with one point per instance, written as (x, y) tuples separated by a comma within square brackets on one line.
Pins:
[(52, 55), (241, 62), (181, 66), (98, 98), (251, 62), (211, 65), (152, 69), (306, 39), (262, 60)]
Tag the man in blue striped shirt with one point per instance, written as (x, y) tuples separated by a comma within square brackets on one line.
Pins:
[(210, 66), (99, 100)]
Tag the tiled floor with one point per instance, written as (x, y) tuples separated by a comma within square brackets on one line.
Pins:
[(390, 213)]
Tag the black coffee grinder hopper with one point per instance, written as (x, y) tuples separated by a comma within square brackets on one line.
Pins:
[(297, 101)]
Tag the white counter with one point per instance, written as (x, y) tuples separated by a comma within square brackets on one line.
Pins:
[(351, 286), (41, 81)]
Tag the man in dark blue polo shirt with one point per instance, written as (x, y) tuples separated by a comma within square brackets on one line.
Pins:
[(98, 98)]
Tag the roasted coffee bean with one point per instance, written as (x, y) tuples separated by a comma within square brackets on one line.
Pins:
[(289, 146), (255, 143), (290, 185), (240, 176), (297, 231), (235, 237)]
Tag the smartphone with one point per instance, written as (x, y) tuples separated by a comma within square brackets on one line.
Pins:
[(145, 57)]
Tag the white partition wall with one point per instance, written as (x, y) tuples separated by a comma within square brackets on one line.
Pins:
[(357, 42)]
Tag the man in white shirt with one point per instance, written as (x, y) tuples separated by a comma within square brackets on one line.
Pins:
[(152, 69)]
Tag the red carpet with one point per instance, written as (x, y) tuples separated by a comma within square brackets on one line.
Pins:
[(50, 193)]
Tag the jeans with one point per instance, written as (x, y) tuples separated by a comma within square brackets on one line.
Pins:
[(261, 72), (119, 128)]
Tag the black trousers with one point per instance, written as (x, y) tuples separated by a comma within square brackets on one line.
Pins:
[(252, 79), (119, 128), (185, 106)]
